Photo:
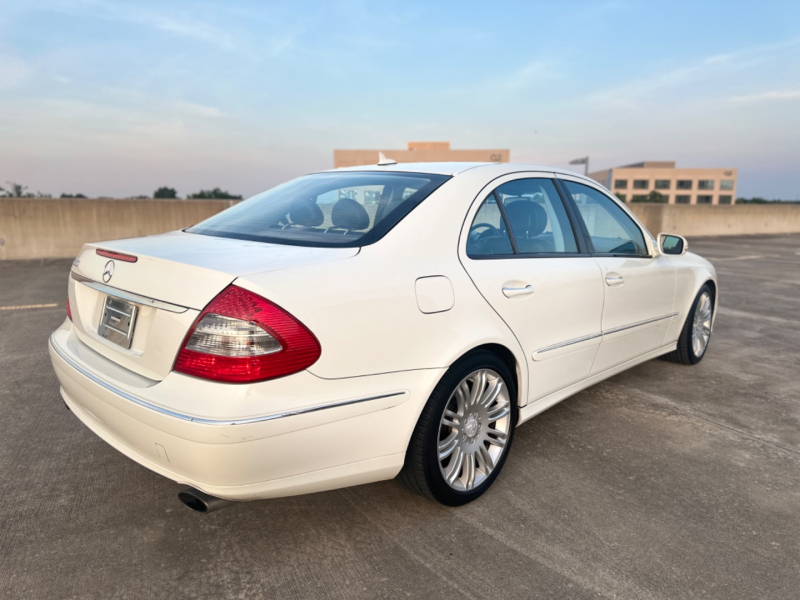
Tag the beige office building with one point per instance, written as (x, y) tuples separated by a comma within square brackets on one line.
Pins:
[(660, 181), (418, 152)]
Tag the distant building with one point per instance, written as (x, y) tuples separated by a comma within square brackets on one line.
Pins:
[(418, 152), (638, 182)]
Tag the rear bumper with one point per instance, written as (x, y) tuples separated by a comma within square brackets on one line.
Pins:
[(357, 435)]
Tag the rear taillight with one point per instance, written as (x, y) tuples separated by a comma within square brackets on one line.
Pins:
[(69, 310), (241, 337)]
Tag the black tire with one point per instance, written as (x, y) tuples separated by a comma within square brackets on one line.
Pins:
[(684, 354), (421, 472)]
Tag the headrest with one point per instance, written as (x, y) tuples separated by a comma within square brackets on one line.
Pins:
[(527, 218), (349, 214), (306, 212)]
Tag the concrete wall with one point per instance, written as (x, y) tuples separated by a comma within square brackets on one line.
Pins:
[(711, 220), (34, 228), (43, 228)]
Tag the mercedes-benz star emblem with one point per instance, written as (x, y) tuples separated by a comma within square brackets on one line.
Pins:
[(108, 272)]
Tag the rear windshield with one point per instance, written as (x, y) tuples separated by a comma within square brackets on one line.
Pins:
[(353, 208)]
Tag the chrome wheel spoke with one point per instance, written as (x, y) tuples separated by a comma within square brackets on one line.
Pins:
[(451, 419), (478, 386), (485, 461), (447, 445), (498, 411), (454, 468), (469, 471), (496, 437), (493, 389)]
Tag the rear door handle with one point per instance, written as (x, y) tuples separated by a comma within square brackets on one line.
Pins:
[(613, 279), (510, 292)]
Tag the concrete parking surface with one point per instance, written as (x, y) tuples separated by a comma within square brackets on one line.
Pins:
[(664, 482)]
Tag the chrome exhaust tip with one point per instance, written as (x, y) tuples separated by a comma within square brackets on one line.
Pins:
[(201, 502)]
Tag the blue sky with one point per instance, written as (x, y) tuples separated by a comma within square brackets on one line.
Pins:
[(117, 98)]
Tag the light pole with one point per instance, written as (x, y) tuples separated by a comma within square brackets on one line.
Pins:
[(582, 161)]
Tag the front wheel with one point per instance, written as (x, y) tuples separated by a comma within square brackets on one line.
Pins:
[(696, 332), (464, 434)]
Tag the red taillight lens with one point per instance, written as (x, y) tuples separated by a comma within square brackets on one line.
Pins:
[(117, 255), (241, 337), (69, 310)]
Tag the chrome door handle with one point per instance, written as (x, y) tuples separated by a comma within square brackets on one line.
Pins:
[(509, 292), (613, 279)]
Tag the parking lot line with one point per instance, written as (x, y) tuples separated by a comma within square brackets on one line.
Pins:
[(28, 306)]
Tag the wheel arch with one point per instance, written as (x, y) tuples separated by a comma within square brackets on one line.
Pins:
[(509, 358)]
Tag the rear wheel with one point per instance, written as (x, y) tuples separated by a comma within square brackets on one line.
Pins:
[(696, 332), (464, 434)]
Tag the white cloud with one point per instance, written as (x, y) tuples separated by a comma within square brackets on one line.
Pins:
[(772, 96), (532, 73), (13, 72), (200, 110)]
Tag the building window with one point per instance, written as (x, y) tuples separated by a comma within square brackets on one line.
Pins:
[(683, 184), (727, 199), (621, 197), (683, 199), (704, 199), (726, 184), (620, 184), (639, 198), (662, 184), (705, 184), (641, 184)]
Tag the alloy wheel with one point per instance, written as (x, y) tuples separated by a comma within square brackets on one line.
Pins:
[(701, 328), (474, 429)]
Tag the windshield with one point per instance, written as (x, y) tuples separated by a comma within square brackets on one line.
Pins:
[(352, 208)]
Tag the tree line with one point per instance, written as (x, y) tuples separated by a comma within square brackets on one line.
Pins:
[(17, 190)]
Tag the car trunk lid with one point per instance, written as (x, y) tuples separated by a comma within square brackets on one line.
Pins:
[(162, 287)]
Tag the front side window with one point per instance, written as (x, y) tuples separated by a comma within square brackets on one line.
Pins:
[(532, 212), (610, 229), (344, 209), (641, 184)]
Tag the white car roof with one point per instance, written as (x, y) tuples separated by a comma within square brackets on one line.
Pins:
[(454, 168)]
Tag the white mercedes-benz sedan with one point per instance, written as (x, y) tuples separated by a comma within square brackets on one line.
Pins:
[(355, 325)]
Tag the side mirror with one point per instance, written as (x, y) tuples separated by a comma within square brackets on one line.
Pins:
[(669, 243)]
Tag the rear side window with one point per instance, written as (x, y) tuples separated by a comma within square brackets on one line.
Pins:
[(342, 209), (531, 211), (610, 229)]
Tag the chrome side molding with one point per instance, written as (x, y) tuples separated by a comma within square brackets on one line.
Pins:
[(201, 420), (593, 336), (129, 296), (638, 324), (584, 338)]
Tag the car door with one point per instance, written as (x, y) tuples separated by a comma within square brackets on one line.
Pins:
[(521, 251), (639, 283)]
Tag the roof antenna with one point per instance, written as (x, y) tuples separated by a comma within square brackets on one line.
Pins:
[(383, 161)]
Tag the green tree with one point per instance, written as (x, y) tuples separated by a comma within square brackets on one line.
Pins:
[(214, 194), (165, 192), (653, 196), (16, 190), (73, 196)]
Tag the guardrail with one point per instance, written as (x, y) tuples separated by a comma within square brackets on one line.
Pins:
[(57, 228)]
